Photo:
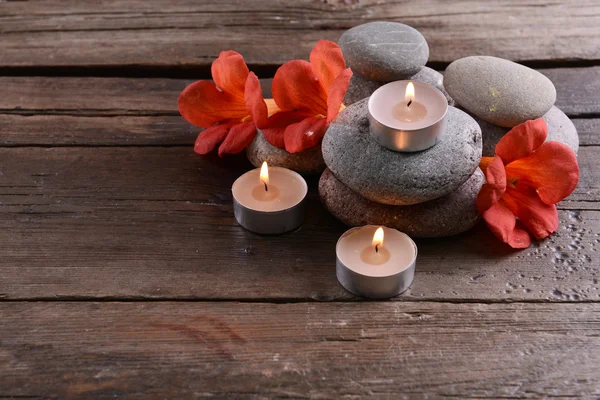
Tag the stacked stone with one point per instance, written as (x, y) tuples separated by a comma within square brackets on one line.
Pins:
[(501, 94), (383, 52), (430, 193)]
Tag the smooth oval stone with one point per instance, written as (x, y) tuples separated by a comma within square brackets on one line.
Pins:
[(384, 51), (361, 87), (499, 91), (309, 161), (446, 216), (390, 177), (560, 129)]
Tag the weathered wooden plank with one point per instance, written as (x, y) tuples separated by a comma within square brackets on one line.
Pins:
[(190, 34), (577, 90), (306, 350), (79, 130), (69, 130), (588, 130), (157, 222)]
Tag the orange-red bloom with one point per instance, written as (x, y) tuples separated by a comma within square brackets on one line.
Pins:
[(228, 108), (310, 95), (524, 182)]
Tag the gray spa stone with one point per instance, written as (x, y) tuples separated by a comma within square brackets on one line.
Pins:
[(361, 87), (384, 51), (560, 129), (390, 177), (309, 161), (446, 216), (499, 91)]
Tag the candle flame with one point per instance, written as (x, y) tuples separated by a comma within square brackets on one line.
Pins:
[(264, 173), (410, 92), (378, 237)]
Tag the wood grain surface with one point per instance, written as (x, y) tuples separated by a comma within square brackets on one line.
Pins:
[(377, 350), (189, 34), (158, 222)]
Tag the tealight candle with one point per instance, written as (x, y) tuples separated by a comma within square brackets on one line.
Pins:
[(375, 262), (407, 116), (269, 200)]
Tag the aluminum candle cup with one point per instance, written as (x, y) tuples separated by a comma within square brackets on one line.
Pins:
[(269, 200), (375, 262), (407, 116)]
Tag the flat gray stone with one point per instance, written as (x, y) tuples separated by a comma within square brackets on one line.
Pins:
[(395, 178), (306, 162), (361, 87), (384, 51), (560, 129), (499, 91), (446, 216)]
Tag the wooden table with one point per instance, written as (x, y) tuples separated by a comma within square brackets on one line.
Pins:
[(123, 273)]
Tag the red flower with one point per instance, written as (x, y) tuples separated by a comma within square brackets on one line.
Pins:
[(524, 182), (227, 108), (310, 96)]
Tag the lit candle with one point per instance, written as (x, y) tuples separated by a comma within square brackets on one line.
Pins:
[(375, 262), (407, 116), (269, 200)]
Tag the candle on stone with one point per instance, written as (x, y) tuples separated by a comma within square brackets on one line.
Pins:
[(375, 262), (269, 200), (407, 116)]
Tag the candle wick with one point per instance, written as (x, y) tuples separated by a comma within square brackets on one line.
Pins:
[(409, 103), (377, 248), (266, 187)]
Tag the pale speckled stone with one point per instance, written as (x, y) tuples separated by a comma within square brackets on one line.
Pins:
[(499, 91), (389, 177), (384, 51), (307, 162), (361, 87), (560, 129), (446, 216)]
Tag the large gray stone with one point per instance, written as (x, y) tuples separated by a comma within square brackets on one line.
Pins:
[(307, 162), (390, 177), (499, 91), (560, 129), (446, 216), (384, 51), (361, 87)]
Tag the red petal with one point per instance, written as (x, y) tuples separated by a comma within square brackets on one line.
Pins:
[(203, 104), (255, 104), (327, 62), (521, 140), (305, 134), (276, 126), (495, 187), (503, 225), (296, 87), (210, 138), (552, 170), (337, 91), (240, 136), (541, 219), (229, 72)]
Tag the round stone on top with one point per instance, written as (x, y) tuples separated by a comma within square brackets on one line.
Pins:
[(499, 91), (384, 51)]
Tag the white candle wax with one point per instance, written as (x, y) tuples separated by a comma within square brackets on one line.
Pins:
[(355, 249), (286, 189), (389, 105), (269, 203), (407, 116), (375, 271)]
